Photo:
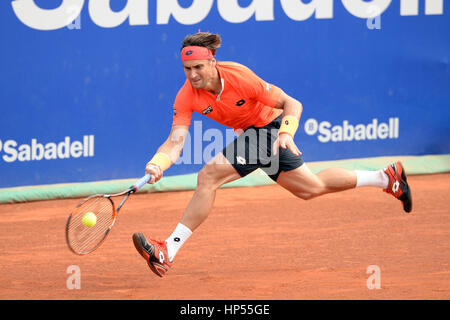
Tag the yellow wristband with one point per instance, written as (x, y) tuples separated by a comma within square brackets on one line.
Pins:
[(289, 124), (161, 159)]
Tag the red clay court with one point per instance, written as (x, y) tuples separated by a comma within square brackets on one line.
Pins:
[(258, 243)]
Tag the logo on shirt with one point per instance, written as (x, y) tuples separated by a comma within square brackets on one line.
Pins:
[(207, 110), (240, 102)]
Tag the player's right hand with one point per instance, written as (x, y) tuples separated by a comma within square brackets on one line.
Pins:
[(155, 172)]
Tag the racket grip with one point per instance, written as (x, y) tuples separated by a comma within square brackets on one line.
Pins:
[(141, 182)]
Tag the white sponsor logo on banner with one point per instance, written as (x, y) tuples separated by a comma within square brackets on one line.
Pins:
[(137, 11), (376, 129), (11, 150)]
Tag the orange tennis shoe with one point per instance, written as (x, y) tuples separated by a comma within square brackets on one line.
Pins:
[(398, 185), (154, 252)]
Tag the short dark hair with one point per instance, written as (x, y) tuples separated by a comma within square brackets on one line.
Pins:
[(203, 39)]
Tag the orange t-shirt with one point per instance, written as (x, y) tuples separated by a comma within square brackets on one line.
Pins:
[(246, 100)]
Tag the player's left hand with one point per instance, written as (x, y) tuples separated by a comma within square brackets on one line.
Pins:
[(286, 141)]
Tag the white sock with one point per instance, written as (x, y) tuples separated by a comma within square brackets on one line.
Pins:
[(372, 178), (177, 239)]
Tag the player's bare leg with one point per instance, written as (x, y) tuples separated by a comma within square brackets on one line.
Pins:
[(160, 254), (306, 185), (213, 175)]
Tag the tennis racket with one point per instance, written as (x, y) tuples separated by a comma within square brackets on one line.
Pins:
[(82, 238)]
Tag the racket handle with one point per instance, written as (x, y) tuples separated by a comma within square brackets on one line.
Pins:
[(141, 182)]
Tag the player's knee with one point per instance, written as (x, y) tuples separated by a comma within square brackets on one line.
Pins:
[(305, 195), (206, 178), (310, 194)]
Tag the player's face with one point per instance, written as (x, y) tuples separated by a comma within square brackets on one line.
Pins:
[(199, 72)]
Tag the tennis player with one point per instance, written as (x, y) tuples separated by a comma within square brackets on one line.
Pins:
[(268, 118)]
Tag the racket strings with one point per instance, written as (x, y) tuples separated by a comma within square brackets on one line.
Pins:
[(82, 238)]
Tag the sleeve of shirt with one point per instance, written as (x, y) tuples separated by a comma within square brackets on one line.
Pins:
[(264, 92), (182, 109)]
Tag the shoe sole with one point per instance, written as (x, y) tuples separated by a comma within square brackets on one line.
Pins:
[(406, 197), (139, 242)]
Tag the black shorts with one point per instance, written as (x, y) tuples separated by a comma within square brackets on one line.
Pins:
[(253, 150)]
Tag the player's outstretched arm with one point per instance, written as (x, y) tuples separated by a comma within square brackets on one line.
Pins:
[(168, 153)]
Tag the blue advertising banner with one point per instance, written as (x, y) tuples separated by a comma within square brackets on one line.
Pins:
[(87, 87)]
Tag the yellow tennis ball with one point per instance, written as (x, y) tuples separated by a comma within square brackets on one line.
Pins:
[(89, 219)]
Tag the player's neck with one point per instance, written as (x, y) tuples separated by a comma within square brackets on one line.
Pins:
[(215, 85)]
